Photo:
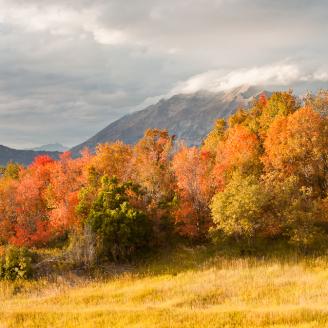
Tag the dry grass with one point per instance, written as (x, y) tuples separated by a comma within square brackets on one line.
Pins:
[(188, 289)]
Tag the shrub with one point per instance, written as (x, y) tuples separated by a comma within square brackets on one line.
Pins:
[(15, 263), (121, 229)]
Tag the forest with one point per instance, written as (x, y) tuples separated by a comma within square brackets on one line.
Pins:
[(260, 177)]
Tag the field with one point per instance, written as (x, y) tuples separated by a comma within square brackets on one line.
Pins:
[(187, 288)]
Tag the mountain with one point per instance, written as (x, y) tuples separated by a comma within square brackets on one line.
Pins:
[(24, 157), (51, 147), (187, 116)]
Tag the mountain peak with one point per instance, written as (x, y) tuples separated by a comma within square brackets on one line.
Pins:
[(188, 116)]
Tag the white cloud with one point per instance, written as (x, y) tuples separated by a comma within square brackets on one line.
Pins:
[(60, 20), (270, 75)]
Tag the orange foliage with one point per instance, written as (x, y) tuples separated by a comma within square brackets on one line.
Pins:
[(192, 168), (67, 177), (113, 160), (238, 150), (32, 225), (272, 143), (298, 145)]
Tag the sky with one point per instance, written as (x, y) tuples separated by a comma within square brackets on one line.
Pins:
[(69, 68)]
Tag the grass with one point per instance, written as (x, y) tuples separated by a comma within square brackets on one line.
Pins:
[(190, 287)]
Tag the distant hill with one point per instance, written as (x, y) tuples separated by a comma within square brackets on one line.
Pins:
[(24, 157), (187, 116), (51, 147)]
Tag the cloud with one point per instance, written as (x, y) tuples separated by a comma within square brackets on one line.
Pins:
[(270, 75), (68, 68)]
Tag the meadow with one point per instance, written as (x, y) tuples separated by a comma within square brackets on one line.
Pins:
[(187, 287)]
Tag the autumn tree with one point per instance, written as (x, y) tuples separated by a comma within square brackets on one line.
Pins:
[(113, 160), (239, 150), (263, 110), (67, 177), (12, 170), (195, 187), (211, 142), (32, 225), (318, 102), (151, 169), (297, 145), (240, 209), (8, 214)]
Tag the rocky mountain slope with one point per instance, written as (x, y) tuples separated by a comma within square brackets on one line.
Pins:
[(188, 116)]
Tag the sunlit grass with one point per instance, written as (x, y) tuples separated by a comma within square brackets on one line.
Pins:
[(186, 289)]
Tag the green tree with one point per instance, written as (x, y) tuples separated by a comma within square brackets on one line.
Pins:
[(121, 229)]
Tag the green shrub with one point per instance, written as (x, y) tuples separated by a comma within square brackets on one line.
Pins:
[(15, 264), (121, 229)]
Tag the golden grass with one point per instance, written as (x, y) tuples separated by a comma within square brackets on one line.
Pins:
[(187, 289)]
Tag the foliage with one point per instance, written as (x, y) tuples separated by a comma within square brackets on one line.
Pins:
[(121, 229), (212, 140), (263, 172), (318, 102), (152, 171), (298, 145), (239, 150), (195, 187), (239, 210), (15, 263), (12, 170)]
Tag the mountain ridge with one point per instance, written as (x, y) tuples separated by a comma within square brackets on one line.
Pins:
[(22, 156), (187, 116)]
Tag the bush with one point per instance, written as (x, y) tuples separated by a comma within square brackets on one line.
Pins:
[(121, 229), (15, 263)]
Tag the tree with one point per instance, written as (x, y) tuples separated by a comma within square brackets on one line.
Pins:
[(8, 214), (32, 225), (297, 145), (113, 160), (121, 229), (151, 169), (195, 187), (239, 210), (67, 177), (212, 140), (296, 213), (12, 170), (318, 102), (239, 150), (280, 104)]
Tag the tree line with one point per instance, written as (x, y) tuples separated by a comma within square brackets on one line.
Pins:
[(260, 174)]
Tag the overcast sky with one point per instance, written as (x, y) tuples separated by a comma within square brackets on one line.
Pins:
[(69, 68)]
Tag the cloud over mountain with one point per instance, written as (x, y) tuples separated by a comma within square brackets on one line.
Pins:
[(67, 68)]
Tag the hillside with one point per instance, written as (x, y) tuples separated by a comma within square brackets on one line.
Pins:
[(186, 289), (24, 157), (187, 116)]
